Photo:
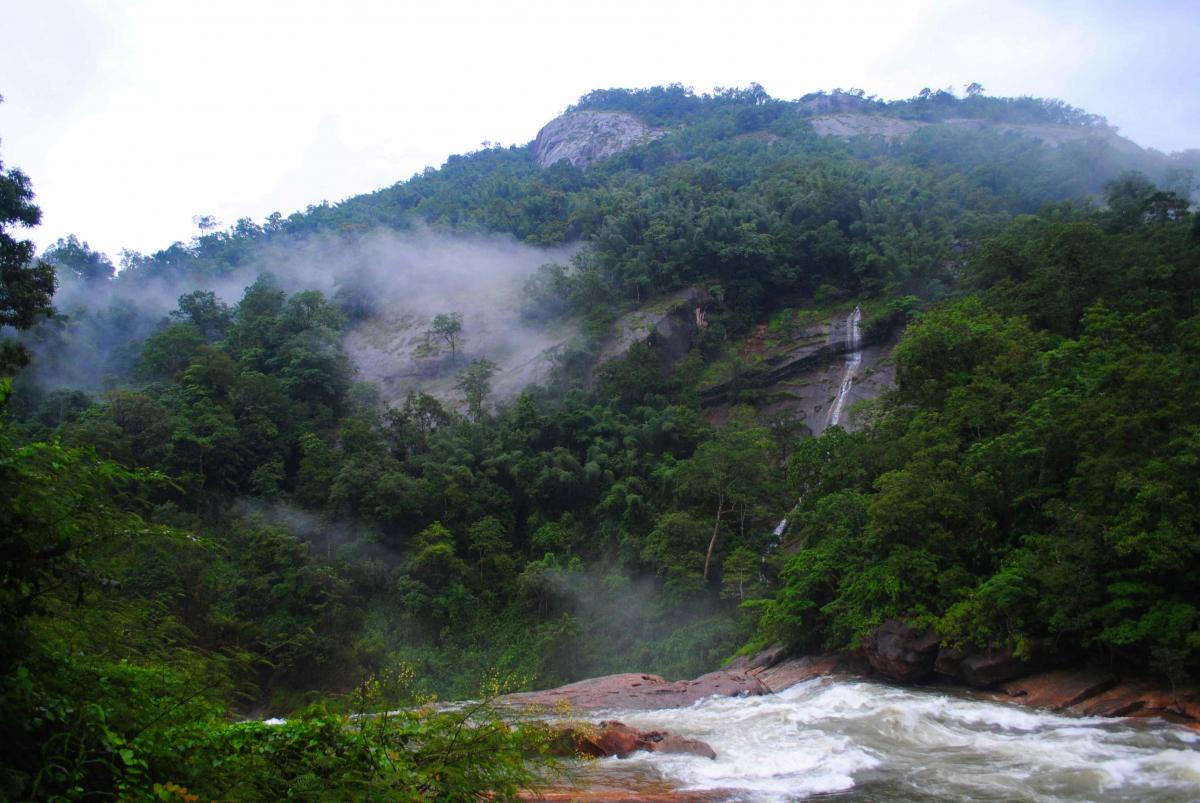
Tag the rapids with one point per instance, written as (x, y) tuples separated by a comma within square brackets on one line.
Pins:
[(853, 740)]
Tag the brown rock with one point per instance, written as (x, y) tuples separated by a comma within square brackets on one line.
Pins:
[(1061, 688), (900, 653), (640, 692), (613, 738), (788, 673), (673, 743), (1141, 698)]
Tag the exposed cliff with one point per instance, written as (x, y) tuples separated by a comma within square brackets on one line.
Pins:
[(812, 372), (583, 138), (847, 125)]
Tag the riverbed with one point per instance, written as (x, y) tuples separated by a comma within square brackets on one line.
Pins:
[(836, 739)]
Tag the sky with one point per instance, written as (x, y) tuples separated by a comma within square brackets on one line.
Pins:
[(132, 118)]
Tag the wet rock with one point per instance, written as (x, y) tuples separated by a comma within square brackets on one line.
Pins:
[(788, 673), (985, 669), (900, 653), (640, 692), (674, 743), (1143, 698), (949, 662), (1061, 688), (613, 738)]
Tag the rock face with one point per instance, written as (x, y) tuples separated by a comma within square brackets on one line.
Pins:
[(900, 653), (583, 138), (640, 692), (671, 323), (986, 668), (801, 373), (1096, 692), (846, 123)]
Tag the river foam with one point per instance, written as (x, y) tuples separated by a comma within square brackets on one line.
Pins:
[(839, 739)]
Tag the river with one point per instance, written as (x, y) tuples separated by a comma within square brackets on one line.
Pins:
[(852, 740)]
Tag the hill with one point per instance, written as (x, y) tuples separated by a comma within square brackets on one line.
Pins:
[(979, 307)]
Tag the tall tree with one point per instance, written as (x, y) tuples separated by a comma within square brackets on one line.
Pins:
[(26, 284), (475, 382), (447, 327), (731, 469)]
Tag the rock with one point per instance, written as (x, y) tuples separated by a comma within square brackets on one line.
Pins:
[(984, 669), (900, 653), (797, 375), (613, 738), (673, 743), (949, 662), (1061, 688), (583, 138), (786, 674), (640, 692), (1143, 698), (670, 324)]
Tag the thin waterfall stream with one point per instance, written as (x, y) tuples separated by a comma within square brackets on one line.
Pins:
[(853, 362), (854, 357)]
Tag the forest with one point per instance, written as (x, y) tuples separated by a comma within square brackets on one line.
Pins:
[(208, 518)]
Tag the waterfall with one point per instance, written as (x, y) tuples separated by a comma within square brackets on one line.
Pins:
[(853, 361)]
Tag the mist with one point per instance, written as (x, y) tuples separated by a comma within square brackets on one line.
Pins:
[(391, 284)]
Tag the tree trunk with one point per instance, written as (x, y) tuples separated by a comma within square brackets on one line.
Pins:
[(716, 529)]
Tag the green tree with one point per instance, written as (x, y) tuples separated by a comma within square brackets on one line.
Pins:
[(79, 259), (26, 285), (475, 382), (447, 327), (731, 469)]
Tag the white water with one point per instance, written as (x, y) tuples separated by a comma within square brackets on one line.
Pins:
[(848, 740), (853, 361)]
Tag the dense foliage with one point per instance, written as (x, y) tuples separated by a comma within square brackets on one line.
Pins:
[(1032, 479), (226, 523)]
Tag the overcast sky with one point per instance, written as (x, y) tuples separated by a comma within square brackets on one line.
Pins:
[(132, 117)]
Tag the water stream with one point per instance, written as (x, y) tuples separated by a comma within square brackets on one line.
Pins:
[(853, 339), (853, 361), (850, 740)]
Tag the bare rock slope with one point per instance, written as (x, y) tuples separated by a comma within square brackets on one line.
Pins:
[(583, 138)]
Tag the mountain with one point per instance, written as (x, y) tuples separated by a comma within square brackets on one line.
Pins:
[(685, 374)]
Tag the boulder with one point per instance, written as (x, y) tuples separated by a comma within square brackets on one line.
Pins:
[(785, 674), (900, 653), (985, 669), (613, 738), (640, 692), (949, 662)]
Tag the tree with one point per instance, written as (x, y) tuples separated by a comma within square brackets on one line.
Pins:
[(475, 382), (26, 285), (447, 327), (78, 257), (207, 312), (733, 468)]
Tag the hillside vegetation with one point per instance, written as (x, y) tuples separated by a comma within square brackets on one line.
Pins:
[(217, 519)]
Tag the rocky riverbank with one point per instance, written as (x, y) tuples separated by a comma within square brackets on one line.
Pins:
[(897, 655)]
